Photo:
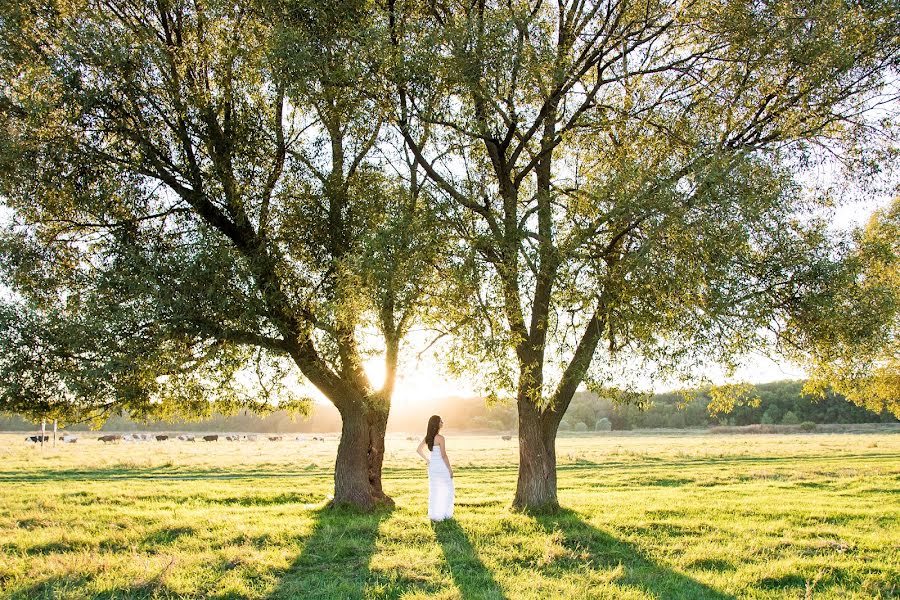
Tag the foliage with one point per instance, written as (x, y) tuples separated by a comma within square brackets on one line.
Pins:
[(789, 418), (211, 205), (856, 339), (723, 398), (624, 175), (177, 242), (771, 416)]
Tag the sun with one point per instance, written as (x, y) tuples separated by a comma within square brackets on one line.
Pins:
[(420, 382)]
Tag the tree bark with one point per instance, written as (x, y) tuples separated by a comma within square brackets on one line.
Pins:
[(536, 486), (377, 420), (351, 482), (360, 454)]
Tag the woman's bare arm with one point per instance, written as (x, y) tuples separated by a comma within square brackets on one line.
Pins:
[(444, 454), (422, 454)]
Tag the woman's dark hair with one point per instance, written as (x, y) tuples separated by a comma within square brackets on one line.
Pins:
[(434, 423)]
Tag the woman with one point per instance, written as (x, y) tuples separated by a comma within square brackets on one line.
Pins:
[(440, 474)]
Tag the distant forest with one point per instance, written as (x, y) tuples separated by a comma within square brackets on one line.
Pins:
[(781, 402)]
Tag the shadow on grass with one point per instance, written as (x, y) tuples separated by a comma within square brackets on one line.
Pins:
[(334, 562), (472, 578), (588, 544), (49, 588)]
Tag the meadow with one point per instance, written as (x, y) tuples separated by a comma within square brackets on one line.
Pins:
[(691, 515)]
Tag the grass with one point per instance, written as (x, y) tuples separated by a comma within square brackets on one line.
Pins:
[(646, 516)]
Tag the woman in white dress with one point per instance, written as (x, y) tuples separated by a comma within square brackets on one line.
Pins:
[(440, 474)]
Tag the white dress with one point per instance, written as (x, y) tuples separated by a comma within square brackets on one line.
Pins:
[(440, 487)]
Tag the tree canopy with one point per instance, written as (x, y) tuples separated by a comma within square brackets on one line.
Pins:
[(624, 176)]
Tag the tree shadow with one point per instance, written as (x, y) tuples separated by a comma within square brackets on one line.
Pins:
[(472, 578), (334, 562), (587, 544)]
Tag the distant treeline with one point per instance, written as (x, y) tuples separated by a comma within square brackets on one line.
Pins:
[(780, 402)]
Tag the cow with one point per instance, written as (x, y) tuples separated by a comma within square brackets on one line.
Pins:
[(68, 439), (506, 438), (106, 439), (275, 438), (186, 438), (210, 438), (251, 438), (37, 439), (161, 438)]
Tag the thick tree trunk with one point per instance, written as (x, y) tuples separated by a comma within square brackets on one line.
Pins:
[(351, 482), (536, 487), (357, 470), (377, 427)]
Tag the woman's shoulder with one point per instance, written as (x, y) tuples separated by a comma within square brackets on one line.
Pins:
[(439, 438)]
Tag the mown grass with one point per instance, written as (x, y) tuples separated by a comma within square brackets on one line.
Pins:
[(646, 516)]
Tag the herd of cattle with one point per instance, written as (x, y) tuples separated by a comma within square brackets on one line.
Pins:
[(149, 437), (68, 438)]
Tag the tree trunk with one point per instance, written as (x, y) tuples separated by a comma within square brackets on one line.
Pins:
[(536, 487), (377, 428), (357, 470)]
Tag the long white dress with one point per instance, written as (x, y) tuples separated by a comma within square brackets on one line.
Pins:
[(440, 487)]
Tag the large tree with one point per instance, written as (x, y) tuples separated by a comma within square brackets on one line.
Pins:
[(624, 175), (195, 215)]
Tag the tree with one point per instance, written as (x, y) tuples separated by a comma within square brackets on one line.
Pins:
[(790, 418), (856, 339), (771, 416), (622, 176), (190, 215)]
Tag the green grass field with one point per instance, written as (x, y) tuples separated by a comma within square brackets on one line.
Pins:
[(646, 516)]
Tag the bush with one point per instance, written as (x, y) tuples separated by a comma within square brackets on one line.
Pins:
[(565, 426), (807, 426), (603, 425), (580, 426), (790, 418)]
